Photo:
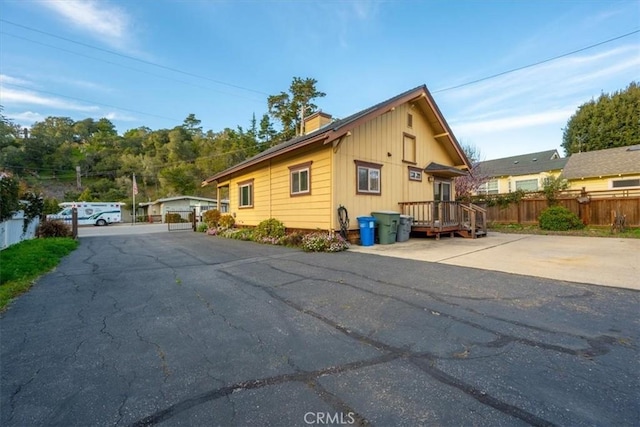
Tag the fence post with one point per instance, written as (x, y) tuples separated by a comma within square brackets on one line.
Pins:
[(74, 222), (193, 218)]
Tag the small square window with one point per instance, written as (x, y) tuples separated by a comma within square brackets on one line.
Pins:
[(409, 120), (415, 174)]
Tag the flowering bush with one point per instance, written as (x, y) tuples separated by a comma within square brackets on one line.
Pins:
[(268, 230), (322, 241), (237, 233)]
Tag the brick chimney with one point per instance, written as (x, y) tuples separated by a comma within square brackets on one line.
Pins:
[(315, 121)]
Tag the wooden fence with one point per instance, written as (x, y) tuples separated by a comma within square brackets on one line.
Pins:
[(593, 208)]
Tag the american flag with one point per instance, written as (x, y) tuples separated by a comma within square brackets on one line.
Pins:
[(135, 186)]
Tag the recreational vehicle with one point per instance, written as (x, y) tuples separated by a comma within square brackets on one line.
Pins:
[(90, 213)]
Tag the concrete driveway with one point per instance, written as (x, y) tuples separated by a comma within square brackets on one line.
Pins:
[(599, 261), (187, 329)]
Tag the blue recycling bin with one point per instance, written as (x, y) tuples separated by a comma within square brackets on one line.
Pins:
[(367, 230)]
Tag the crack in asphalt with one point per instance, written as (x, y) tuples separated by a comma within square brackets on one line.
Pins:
[(483, 249), (301, 377), (309, 377), (161, 355), (595, 343)]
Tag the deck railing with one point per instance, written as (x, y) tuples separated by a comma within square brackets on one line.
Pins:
[(443, 216)]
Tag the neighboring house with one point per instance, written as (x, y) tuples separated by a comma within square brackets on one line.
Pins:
[(611, 169), (157, 210), (524, 172), (401, 150)]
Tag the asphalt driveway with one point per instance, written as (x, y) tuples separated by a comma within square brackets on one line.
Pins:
[(186, 329)]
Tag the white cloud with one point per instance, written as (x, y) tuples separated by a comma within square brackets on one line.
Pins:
[(119, 116), (558, 76), (104, 21), (26, 117), (12, 80), (513, 122), (24, 97)]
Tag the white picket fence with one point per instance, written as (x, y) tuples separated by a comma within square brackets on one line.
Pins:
[(11, 230)]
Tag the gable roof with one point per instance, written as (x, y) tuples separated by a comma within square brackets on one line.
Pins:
[(339, 128), (612, 161), (523, 164)]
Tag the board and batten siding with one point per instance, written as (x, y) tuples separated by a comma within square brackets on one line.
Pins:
[(272, 196), (380, 141)]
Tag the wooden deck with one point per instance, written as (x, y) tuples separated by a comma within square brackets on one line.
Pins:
[(435, 218)]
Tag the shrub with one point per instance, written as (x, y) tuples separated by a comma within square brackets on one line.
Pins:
[(238, 233), (202, 228), (559, 218), (211, 217), (292, 239), (172, 218), (268, 231), (226, 221), (48, 228), (323, 241)]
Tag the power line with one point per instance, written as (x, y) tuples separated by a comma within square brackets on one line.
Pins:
[(175, 70), (123, 66), (536, 63), (92, 102)]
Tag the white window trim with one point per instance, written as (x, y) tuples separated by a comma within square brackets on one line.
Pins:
[(248, 185)]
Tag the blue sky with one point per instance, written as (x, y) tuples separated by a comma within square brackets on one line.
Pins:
[(152, 63)]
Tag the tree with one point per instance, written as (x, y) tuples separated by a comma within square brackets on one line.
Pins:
[(287, 107), (192, 125), (267, 133), (9, 200), (611, 121), (9, 131), (468, 184), (552, 186)]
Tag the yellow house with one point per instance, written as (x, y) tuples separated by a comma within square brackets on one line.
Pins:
[(523, 172), (604, 170), (400, 150)]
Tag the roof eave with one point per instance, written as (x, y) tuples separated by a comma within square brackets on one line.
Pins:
[(241, 166)]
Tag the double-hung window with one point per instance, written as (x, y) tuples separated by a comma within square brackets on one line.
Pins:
[(300, 178), (368, 177), (245, 194)]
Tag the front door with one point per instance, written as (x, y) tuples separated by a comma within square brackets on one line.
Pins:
[(441, 193)]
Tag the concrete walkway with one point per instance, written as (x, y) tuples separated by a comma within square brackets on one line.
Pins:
[(594, 260)]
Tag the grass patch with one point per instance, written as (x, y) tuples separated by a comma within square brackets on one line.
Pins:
[(24, 262), (631, 233)]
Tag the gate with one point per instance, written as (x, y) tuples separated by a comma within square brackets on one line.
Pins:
[(181, 220)]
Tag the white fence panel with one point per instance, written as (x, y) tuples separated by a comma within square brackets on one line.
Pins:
[(11, 230)]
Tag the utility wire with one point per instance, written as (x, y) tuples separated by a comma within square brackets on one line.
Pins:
[(91, 102), (536, 63), (124, 66), (175, 70)]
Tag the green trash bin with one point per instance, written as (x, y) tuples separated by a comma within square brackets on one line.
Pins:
[(387, 226)]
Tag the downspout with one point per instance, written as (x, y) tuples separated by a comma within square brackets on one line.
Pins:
[(270, 212), (332, 154)]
